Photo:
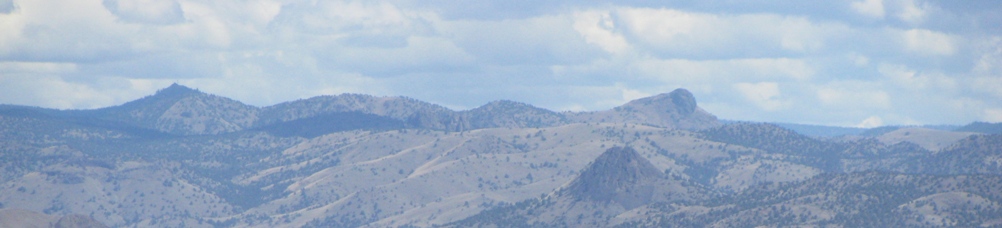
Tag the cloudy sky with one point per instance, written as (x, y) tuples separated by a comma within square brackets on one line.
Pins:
[(845, 63)]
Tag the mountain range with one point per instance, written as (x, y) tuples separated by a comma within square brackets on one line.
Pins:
[(180, 110), (185, 158)]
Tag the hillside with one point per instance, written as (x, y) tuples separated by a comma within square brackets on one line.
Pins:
[(25, 218), (982, 127), (849, 200), (617, 181)]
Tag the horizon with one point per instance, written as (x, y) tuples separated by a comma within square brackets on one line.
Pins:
[(467, 109), (854, 63)]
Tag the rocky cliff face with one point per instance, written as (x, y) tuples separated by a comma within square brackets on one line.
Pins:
[(677, 109)]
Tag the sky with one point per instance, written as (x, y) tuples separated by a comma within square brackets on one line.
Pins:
[(859, 63)]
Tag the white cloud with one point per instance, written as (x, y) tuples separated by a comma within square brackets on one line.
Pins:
[(992, 115), (988, 84), (901, 75), (800, 35), (680, 33), (419, 54), (660, 26), (12, 25), (207, 29), (871, 8), (52, 91), (684, 71), (36, 68), (928, 42), (859, 60), (631, 94), (871, 122), (765, 95), (990, 60), (543, 40), (913, 80), (339, 16), (146, 11), (63, 31), (598, 28), (852, 96), (261, 12), (912, 12)]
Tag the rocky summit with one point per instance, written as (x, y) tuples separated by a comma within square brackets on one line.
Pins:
[(676, 109), (621, 176)]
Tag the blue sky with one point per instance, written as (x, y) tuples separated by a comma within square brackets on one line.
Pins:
[(847, 63)]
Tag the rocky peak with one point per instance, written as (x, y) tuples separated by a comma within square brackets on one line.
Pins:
[(505, 113), (680, 102), (507, 107), (619, 175), (164, 97), (176, 90), (504, 104), (181, 110), (684, 101), (677, 109)]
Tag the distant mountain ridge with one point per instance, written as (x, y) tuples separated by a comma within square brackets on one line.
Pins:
[(182, 110), (821, 131), (982, 127)]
